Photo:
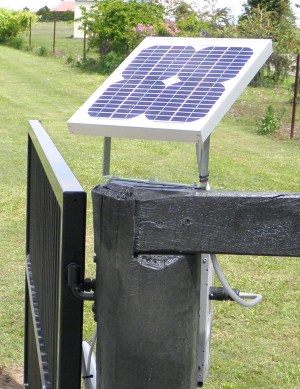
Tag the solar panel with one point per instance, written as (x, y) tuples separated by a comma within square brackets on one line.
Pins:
[(172, 89)]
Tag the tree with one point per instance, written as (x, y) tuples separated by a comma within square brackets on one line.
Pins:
[(272, 20), (278, 7), (44, 13)]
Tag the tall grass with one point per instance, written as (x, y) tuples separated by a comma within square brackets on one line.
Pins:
[(257, 348)]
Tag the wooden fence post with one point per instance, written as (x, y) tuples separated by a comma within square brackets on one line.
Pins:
[(54, 35), (147, 306), (296, 86), (30, 31)]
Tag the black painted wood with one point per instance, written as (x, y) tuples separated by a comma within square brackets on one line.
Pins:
[(181, 220), (147, 292), (147, 306)]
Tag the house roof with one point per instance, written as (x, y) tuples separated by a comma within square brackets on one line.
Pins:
[(65, 6)]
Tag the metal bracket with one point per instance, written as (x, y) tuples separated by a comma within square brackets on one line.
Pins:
[(202, 150), (106, 156), (78, 286), (207, 278)]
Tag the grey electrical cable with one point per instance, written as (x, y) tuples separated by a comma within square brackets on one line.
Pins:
[(88, 366), (256, 298)]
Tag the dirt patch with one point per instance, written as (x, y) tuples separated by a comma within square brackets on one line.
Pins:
[(11, 378)]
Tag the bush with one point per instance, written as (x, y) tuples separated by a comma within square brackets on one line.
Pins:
[(110, 24), (69, 59), (16, 43), (14, 22), (116, 27), (271, 122), (41, 51), (110, 62)]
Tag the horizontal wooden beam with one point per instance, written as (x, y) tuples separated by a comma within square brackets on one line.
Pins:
[(187, 220)]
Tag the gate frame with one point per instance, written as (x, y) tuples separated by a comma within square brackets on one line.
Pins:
[(71, 200)]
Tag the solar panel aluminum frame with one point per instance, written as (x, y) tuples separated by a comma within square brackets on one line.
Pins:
[(196, 131)]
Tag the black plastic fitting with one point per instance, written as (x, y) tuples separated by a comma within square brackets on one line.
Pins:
[(220, 294)]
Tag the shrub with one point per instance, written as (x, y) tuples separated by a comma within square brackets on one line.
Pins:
[(110, 24), (14, 22), (16, 43), (271, 122), (41, 51), (45, 15), (69, 59), (110, 62)]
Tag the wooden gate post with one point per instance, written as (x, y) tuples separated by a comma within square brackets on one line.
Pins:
[(147, 306)]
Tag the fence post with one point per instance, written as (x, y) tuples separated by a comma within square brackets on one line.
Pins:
[(295, 96), (30, 31), (84, 43), (147, 305), (54, 35)]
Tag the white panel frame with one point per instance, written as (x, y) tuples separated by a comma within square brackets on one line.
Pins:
[(195, 132)]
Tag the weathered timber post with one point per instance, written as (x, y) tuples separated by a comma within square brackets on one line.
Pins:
[(147, 238), (147, 305)]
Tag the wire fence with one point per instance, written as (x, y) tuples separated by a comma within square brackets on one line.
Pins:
[(56, 38)]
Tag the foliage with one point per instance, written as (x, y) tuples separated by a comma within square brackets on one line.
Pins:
[(208, 22), (109, 62), (16, 43), (278, 7), (12, 23), (280, 27), (116, 27), (271, 122), (263, 23), (46, 15), (41, 51), (110, 23)]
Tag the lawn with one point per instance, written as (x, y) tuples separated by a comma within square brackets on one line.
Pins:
[(258, 347)]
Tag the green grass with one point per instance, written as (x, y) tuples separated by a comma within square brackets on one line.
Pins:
[(258, 347)]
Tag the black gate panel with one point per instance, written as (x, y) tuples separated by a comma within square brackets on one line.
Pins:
[(56, 211)]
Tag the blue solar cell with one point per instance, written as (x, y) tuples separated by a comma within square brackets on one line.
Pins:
[(171, 83)]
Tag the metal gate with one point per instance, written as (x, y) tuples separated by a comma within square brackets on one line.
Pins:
[(56, 211)]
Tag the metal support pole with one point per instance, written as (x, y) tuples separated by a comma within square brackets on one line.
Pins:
[(106, 156), (207, 277), (202, 150)]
